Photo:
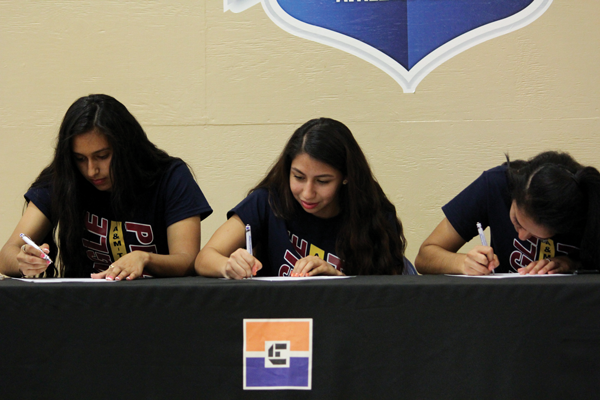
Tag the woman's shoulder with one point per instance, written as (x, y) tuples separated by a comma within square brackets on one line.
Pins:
[(257, 202), (41, 196), (181, 195), (175, 172), (498, 170), (176, 166), (493, 177), (497, 177), (260, 193), (256, 198)]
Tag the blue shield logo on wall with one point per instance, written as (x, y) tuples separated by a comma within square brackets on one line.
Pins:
[(405, 38)]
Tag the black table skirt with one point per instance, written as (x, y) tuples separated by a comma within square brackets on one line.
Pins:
[(409, 337)]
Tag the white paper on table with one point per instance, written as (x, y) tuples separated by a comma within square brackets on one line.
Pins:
[(62, 280), (294, 278), (508, 275)]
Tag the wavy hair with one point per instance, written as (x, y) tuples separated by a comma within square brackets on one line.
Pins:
[(371, 239), (135, 166), (561, 195)]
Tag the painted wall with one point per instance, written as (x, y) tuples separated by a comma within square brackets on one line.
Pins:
[(224, 91)]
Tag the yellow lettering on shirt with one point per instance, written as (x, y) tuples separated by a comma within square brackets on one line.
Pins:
[(315, 251), (547, 249), (116, 240)]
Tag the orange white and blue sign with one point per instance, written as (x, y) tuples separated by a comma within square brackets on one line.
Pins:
[(277, 354), (407, 39)]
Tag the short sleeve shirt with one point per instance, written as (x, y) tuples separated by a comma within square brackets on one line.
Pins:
[(281, 243), (487, 200), (175, 197)]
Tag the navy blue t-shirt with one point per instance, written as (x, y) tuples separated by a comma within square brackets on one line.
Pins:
[(280, 244), (487, 200), (175, 197)]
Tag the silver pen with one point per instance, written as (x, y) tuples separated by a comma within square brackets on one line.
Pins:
[(483, 239), (481, 235), (249, 241)]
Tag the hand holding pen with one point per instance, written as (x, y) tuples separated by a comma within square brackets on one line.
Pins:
[(481, 260), (241, 263), (484, 254), (33, 259), (249, 245)]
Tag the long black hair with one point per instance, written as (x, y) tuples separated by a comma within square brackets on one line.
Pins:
[(371, 240), (135, 166), (560, 194)]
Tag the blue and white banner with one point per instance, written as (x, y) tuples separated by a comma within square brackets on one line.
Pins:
[(405, 38)]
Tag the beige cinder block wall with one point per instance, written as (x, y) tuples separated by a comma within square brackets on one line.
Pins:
[(224, 91)]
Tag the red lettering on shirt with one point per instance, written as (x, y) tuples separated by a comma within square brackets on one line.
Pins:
[(101, 261), (143, 232), (335, 261), (303, 245), (290, 258), (285, 270), (522, 257), (99, 227)]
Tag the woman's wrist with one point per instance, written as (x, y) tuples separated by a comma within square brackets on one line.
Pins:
[(573, 265), (145, 258)]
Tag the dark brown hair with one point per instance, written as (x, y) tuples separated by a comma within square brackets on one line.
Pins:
[(135, 165), (562, 195), (371, 240)]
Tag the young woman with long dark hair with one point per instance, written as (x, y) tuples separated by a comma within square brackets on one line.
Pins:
[(115, 204), (318, 211), (543, 214)]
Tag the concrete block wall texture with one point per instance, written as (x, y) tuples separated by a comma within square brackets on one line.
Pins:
[(224, 91)]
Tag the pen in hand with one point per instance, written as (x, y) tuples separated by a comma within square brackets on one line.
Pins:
[(482, 238), (30, 242), (481, 235), (249, 242)]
